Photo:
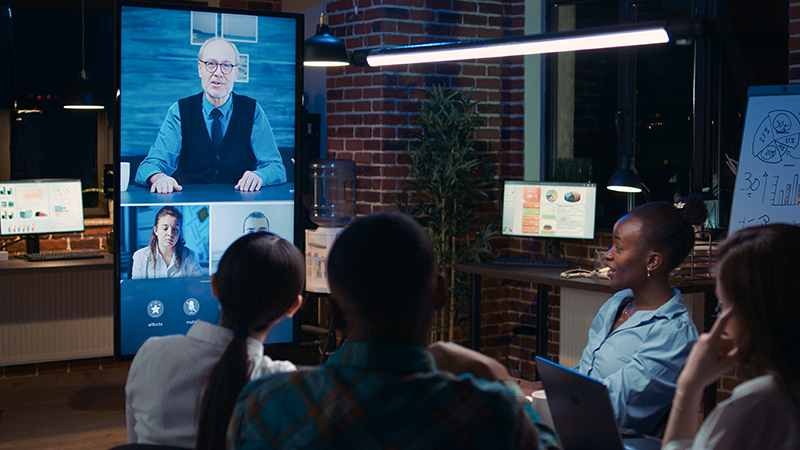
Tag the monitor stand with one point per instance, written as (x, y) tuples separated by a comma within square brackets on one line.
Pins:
[(552, 248), (31, 243)]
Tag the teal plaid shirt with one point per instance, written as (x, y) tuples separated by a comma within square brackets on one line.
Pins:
[(382, 396)]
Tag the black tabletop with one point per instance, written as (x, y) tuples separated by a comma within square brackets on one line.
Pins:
[(206, 193)]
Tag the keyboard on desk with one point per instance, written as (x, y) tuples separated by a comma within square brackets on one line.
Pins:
[(58, 256), (532, 262)]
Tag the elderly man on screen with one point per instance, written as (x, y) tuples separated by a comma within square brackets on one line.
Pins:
[(216, 136)]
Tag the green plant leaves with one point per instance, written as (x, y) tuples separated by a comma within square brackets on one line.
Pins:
[(446, 183)]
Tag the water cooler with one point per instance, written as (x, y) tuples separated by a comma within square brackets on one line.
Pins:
[(333, 206)]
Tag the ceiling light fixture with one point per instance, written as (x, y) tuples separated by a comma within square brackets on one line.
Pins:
[(322, 49), (628, 35), (625, 179), (83, 96)]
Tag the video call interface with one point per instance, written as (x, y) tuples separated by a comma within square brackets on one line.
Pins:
[(158, 66), (549, 210), (43, 206)]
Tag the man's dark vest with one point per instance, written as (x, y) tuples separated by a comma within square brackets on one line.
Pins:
[(200, 162)]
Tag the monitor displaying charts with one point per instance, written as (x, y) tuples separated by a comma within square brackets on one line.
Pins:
[(40, 206), (548, 209)]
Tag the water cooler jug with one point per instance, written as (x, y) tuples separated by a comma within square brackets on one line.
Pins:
[(333, 206)]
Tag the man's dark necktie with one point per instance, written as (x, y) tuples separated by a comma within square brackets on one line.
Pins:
[(216, 128)]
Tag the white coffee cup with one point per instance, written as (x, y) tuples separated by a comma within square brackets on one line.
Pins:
[(541, 408), (124, 175)]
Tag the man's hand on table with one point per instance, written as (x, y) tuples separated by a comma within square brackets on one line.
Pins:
[(162, 183), (249, 182)]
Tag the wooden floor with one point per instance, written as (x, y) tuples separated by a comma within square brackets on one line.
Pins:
[(76, 410)]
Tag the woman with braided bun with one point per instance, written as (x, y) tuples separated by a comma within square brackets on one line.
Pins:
[(640, 338), (181, 389)]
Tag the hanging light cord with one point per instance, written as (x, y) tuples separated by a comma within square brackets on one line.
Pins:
[(83, 40)]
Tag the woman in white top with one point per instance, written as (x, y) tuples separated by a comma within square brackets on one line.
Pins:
[(166, 256), (181, 389), (757, 287)]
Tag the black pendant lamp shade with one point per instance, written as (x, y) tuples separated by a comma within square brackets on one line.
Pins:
[(625, 179), (324, 50), (83, 96)]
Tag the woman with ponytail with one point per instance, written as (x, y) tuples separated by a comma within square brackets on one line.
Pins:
[(181, 389), (640, 338)]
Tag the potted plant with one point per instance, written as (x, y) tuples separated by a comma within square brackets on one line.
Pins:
[(445, 191)]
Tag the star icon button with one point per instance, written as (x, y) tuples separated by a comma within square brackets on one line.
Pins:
[(155, 309)]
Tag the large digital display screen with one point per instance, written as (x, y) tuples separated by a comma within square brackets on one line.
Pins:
[(165, 86)]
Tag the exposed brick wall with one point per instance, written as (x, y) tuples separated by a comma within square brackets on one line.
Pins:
[(94, 237)]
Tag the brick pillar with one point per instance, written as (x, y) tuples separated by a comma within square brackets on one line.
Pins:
[(371, 111)]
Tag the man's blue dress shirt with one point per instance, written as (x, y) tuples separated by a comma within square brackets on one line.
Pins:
[(164, 153)]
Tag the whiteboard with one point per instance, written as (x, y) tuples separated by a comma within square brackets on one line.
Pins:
[(767, 186)]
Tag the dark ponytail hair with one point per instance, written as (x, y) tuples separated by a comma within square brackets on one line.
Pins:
[(259, 278), (668, 227)]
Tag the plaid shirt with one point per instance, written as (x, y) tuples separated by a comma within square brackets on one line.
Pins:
[(382, 396)]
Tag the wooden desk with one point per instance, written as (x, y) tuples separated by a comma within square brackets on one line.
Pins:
[(547, 277), (16, 266), (543, 277)]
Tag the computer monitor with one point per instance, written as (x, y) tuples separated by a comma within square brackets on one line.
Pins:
[(158, 66), (33, 207), (548, 209)]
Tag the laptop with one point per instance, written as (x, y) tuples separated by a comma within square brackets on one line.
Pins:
[(582, 411)]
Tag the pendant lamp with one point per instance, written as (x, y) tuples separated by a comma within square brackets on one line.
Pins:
[(625, 179), (83, 96), (322, 49)]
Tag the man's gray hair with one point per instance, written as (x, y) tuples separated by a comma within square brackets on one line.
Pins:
[(217, 38)]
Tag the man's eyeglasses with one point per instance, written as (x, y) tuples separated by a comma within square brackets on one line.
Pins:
[(211, 66)]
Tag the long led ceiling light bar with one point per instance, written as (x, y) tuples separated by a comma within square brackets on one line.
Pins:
[(587, 39)]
